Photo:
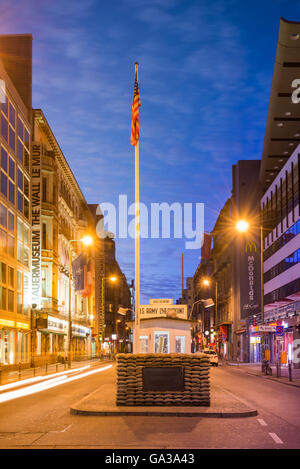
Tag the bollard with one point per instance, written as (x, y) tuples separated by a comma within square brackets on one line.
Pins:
[(278, 369), (19, 370), (290, 372), (46, 370), (56, 367), (0, 374)]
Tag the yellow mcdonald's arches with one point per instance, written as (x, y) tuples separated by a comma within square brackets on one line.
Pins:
[(250, 245)]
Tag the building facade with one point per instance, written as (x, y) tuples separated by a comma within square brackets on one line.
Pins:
[(113, 295), (15, 203), (281, 251), (60, 219)]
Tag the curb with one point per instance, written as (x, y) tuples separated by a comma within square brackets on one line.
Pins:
[(271, 378), (163, 413)]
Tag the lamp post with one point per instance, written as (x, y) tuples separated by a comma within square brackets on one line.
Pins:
[(87, 241), (117, 332)]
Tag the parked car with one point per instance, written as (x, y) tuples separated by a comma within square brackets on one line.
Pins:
[(213, 357)]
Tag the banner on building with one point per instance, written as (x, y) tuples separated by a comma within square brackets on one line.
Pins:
[(162, 310), (250, 277), (82, 275), (36, 224)]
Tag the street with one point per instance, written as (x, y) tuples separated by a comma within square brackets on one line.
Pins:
[(43, 420)]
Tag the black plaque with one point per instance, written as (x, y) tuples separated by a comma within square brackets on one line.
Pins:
[(163, 378)]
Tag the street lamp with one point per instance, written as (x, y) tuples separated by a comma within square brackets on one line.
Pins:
[(86, 241), (242, 226)]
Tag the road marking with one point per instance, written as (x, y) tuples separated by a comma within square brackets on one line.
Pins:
[(65, 429), (276, 438), (262, 422)]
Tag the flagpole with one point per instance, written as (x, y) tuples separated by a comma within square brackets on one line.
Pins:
[(137, 240)]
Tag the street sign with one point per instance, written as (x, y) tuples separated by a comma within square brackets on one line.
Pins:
[(266, 328), (279, 331)]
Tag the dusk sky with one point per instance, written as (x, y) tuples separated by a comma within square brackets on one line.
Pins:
[(205, 72)]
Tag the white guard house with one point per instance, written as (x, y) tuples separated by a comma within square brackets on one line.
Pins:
[(164, 328)]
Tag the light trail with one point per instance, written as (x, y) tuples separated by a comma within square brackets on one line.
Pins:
[(50, 383), (35, 379)]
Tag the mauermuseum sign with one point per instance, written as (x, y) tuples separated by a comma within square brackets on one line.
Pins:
[(36, 223)]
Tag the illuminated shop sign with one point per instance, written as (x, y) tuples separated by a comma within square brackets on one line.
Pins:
[(250, 279), (36, 224), (80, 330)]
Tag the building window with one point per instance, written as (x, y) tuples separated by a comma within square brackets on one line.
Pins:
[(161, 342), (7, 282), (23, 243), (180, 344), (144, 343), (44, 275), (44, 189)]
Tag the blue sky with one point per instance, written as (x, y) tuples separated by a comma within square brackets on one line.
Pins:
[(205, 72)]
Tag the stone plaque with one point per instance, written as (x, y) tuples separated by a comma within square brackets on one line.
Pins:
[(163, 378)]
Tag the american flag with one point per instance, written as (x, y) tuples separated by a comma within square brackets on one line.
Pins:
[(135, 128)]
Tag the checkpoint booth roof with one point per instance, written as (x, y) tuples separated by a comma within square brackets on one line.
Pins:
[(164, 328)]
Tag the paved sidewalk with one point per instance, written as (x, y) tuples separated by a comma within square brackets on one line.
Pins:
[(255, 369), (102, 402)]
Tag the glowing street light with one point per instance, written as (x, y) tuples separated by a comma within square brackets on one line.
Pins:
[(242, 226), (87, 240)]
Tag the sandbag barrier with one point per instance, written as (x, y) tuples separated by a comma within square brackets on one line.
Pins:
[(130, 386)]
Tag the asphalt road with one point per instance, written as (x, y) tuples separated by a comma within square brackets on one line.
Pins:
[(43, 420)]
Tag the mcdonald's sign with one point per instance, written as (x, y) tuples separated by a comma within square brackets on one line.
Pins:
[(250, 246), (250, 278)]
